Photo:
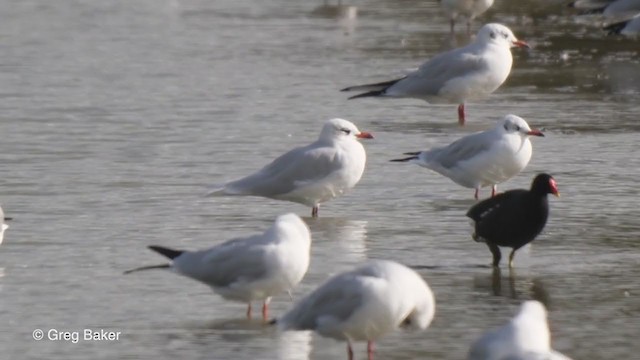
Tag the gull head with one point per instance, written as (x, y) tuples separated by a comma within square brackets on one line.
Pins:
[(513, 124), (292, 224), (533, 309), (336, 129), (499, 34)]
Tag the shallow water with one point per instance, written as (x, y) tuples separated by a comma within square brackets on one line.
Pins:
[(116, 115)]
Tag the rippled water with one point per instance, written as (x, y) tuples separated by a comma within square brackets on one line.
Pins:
[(117, 114)]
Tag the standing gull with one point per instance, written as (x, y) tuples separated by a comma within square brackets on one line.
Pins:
[(310, 174), (364, 304), (525, 337), (249, 268), (464, 8), (513, 218), (484, 158), (471, 72)]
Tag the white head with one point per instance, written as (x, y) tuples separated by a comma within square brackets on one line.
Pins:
[(532, 328), (533, 309), (513, 124), (500, 35), (336, 129), (3, 226), (292, 225)]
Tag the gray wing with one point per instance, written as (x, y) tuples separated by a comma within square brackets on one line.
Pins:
[(460, 150), (237, 260), (339, 298), (287, 172), (432, 76)]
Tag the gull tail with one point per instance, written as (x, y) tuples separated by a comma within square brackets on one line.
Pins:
[(170, 253), (414, 156), (377, 89), (149, 267)]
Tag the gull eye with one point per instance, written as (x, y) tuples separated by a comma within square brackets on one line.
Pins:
[(492, 34), (505, 35), (518, 128), (346, 131)]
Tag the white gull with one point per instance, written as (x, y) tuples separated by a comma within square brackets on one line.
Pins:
[(471, 72), (484, 158), (310, 174), (248, 268)]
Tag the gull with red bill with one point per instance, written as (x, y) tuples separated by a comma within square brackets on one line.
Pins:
[(484, 158), (468, 73), (310, 174)]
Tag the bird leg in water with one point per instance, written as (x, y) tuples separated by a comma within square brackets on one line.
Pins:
[(494, 188), (265, 308), (495, 250), (314, 211), (249, 311), (370, 349), (475, 195), (349, 350), (453, 25), (461, 114), (513, 252)]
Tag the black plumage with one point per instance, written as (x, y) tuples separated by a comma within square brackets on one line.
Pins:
[(513, 218)]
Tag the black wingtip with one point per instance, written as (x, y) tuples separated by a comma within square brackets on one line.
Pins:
[(405, 159), (367, 94), (616, 28), (8, 218), (149, 267), (273, 321), (170, 253)]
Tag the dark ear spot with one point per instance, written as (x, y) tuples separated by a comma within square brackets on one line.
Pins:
[(492, 34), (506, 127)]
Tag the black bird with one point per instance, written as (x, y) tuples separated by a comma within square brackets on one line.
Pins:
[(513, 218)]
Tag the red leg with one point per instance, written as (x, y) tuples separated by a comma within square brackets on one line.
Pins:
[(349, 350), (476, 194), (265, 310), (370, 349), (249, 311), (493, 190), (461, 118), (314, 211)]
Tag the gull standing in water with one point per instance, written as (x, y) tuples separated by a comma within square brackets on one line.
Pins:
[(364, 304), (310, 174), (464, 8), (249, 268), (471, 72), (485, 158), (525, 337)]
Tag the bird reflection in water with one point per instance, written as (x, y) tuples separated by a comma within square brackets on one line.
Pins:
[(516, 287)]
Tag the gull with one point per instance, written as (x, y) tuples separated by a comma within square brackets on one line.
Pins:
[(3, 225), (310, 174), (248, 268), (483, 158), (467, 8), (513, 218), (364, 304), (525, 337), (471, 72), (618, 9)]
